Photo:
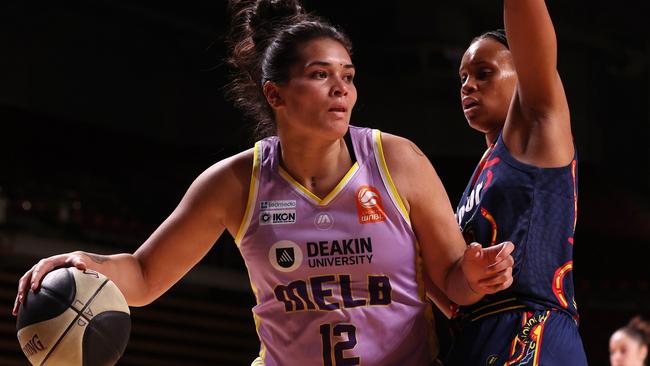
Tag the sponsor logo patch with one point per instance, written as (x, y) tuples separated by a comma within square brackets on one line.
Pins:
[(277, 205), (278, 217), (285, 256), (369, 205)]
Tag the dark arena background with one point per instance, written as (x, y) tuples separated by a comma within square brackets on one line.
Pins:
[(110, 108)]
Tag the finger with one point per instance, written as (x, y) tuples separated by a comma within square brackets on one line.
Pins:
[(41, 269), (500, 265), (496, 279), (508, 247), (76, 262), (473, 252), (22, 286), (497, 288), (497, 253)]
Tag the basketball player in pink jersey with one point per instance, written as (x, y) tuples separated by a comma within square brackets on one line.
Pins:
[(336, 224)]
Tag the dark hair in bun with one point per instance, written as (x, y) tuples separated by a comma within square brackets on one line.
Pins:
[(638, 329), (264, 40)]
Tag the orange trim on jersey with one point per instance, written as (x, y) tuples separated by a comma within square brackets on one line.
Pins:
[(558, 283), (538, 346), (516, 341), (488, 180), (481, 165), (492, 221)]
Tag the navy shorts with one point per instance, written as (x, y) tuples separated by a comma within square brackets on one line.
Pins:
[(518, 338)]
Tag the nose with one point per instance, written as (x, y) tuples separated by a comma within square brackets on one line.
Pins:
[(468, 87), (339, 89)]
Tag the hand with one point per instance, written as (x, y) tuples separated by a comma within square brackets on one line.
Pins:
[(32, 278), (488, 270)]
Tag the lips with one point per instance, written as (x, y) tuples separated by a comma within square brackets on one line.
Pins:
[(469, 103), (338, 109)]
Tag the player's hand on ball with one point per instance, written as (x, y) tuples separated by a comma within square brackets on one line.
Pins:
[(32, 278), (488, 270)]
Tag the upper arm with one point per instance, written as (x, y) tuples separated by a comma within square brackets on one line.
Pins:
[(214, 202), (430, 211), (538, 128)]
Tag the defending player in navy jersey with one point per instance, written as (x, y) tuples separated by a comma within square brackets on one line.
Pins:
[(525, 190)]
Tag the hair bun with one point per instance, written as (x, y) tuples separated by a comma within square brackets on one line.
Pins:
[(642, 327), (270, 15)]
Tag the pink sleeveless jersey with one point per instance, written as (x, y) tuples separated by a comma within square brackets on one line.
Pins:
[(337, 279)]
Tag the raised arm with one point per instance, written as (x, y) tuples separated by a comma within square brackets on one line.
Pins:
[(464, 273), (538, 127), (214, 202)]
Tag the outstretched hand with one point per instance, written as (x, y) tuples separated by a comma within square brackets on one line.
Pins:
[(488, 270)]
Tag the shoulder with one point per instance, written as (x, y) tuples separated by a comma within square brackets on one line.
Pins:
[(409, 167), (222, 189), (401, 154), (233, 171)]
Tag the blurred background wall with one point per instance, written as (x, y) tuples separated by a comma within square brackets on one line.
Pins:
[(110, 108)]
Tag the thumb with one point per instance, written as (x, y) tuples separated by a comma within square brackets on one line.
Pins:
[(497, 253), (474, 252)]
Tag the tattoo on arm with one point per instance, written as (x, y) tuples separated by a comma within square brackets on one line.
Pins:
[(98, 258), (416, 149)]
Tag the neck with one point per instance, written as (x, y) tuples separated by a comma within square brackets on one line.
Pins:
[(491, 137), (316, 164)]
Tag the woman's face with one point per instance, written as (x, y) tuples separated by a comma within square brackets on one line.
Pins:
[(319, 96), (626, 351), (488, 81)]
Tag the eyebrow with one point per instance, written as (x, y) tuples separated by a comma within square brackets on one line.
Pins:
[(476, 64), (327, 64)]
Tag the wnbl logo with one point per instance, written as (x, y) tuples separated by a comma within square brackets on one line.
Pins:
[(285, 257)]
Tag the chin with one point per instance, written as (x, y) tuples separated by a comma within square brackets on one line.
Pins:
[(482, 125)]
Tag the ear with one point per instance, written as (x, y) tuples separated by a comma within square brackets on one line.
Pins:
[(643, 352), (272, 94)]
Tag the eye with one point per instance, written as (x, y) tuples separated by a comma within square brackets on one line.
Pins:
[(463, 78), (348, 77), (320, 74), (483, 74)]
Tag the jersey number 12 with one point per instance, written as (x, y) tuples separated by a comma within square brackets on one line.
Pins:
[(336, 357)]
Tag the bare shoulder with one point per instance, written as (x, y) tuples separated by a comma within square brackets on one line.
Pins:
[(408, 165), (224, 187)]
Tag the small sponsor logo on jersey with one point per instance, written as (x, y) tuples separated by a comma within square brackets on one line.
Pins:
[(323, 221), (278, 217), (369, 205), (285, 256), (277, 205)]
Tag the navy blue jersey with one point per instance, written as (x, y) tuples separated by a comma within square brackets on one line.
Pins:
[(536, 209)]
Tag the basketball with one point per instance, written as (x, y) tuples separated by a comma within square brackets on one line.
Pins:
[(75, 318)]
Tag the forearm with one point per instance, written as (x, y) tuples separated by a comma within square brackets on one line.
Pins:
[(125, 271), (529, 26), (458, 288)]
